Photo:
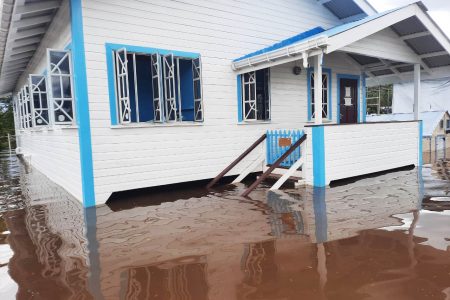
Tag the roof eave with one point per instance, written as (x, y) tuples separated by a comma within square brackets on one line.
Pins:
[(282, 55)]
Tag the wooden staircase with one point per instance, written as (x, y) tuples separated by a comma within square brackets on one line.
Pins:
[(292, 171)]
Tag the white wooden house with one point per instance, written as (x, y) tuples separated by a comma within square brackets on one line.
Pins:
[(119, 95)]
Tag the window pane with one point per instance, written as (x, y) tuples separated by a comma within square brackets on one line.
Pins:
[(56, 87), (197, 90), (67, 90)]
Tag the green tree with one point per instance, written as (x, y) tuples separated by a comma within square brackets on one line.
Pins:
[(6, 122)]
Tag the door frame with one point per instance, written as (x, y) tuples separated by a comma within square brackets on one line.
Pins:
[(358, 91)]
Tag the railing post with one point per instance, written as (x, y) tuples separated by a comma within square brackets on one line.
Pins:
[(9, 144), (236, 161), (274, 165)]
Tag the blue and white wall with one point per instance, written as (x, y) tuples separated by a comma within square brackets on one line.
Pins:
[(54, 151), (128, 158)]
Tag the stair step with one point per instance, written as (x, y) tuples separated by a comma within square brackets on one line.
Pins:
[(278, 176)]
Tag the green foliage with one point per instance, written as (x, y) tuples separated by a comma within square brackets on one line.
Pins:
[(379, 99), (6, 122)]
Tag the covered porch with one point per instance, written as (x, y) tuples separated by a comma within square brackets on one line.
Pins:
[(337, 62)]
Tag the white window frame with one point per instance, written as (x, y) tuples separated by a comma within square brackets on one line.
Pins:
[(325, 95), (35, 90), (249, 85), (165, 80), (27, 108), (53, 72), (169, 88), (158, 112), (198, 99), (122, 86)]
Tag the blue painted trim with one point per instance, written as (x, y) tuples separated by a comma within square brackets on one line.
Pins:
[(318, 149), (149, 50), (284, 43), (239, 97), (111, 85), (420, 154), (364, 97), (338, 83), (330, 98), (82, 103), (109, 47)]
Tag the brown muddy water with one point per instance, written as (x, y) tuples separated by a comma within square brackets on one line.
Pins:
[(383, 237)]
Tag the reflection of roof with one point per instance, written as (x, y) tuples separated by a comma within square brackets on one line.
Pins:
[(430, 119)]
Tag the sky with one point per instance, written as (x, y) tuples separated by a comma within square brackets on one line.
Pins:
[(439, 10)]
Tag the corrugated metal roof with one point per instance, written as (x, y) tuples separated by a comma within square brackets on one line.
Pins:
[(424, 44), (409, 26), (421, 42), (344, 8)]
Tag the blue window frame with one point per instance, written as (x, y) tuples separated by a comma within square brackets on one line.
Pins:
[(326, 93), (153, 85), (254, 96)]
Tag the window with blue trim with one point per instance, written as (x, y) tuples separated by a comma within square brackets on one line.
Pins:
[(326, 87), (151, 87), (255, 87)]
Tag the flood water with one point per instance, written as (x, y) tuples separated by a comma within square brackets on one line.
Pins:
[(382, 237)]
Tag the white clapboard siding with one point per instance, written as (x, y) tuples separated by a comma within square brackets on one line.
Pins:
[(220, 31), (354, 150), (384, 44), (54, 152)]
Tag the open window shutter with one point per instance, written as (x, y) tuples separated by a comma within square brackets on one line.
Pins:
[(156, 85), (198, 93), (249, 96), (169, 88), (123, 92)]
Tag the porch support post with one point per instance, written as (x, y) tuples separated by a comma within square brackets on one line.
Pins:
[(318, 89), (416, 91)]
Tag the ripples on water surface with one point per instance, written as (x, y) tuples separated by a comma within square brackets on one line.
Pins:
[(383, 237)]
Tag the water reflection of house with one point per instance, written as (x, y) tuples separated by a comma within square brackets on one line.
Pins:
[(55, 238), (184, 278), (226, 247)]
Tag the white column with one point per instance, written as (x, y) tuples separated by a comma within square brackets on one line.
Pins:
[(318, 89), (416, 91)]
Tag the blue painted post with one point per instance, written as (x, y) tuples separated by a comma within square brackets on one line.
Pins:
[(318, 149), (82, 103), (267, 146)]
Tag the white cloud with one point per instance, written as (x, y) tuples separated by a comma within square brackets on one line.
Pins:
[(439, 10)]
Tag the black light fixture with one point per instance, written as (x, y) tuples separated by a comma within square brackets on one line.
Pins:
[(297, 70)]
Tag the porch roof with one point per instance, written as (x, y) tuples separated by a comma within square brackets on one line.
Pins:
[(23, 24), (411, 23)]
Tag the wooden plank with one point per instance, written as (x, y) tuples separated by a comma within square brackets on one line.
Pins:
[(275, 165), (236, 161)]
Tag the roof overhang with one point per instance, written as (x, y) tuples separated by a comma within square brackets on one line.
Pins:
[(411, 23), (23, 25)]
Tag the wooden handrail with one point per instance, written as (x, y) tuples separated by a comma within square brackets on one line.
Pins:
[(236, 161), (273, 166)]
